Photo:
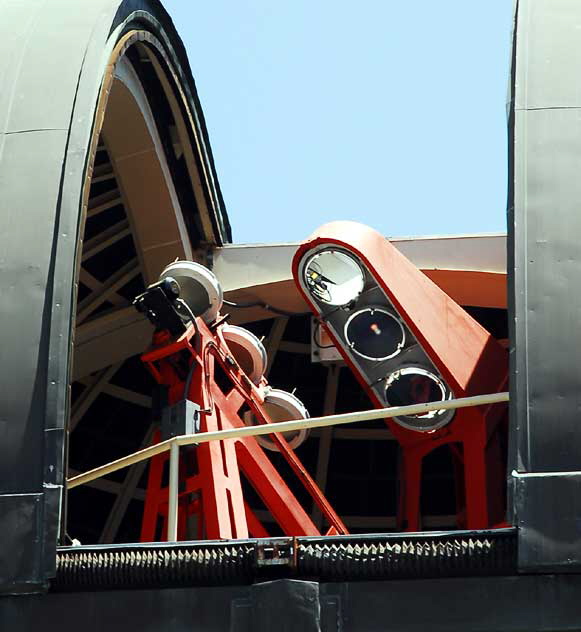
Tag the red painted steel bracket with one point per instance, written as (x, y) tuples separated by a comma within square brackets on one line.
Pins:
[(211, 499)]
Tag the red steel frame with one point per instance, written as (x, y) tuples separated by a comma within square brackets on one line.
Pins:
[(469, 359), (209, 474)]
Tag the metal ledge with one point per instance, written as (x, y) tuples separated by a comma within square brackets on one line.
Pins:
[(335, 558)]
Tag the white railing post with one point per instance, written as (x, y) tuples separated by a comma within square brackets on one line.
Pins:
[(172, 514)]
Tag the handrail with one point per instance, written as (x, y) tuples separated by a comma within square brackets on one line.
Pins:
[(253, 431)]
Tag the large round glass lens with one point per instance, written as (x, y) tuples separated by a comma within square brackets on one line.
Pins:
[(334, 277), (415, 385), (374, 333)]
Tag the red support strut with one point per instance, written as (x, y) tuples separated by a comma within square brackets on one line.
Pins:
[(211, 499)]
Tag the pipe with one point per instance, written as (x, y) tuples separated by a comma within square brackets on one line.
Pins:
[(119, 464), (172, 515), (285, 426)]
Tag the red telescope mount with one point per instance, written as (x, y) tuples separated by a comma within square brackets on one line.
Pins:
[(408, 342), (207, 389)]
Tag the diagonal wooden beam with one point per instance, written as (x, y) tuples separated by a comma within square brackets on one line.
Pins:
[(127, 395), (274, 338), (295, 347), (105, 239), (95, 285), (106, 485), (89, 304), (89, 280), (125, 494), (110, 337), (138, 399), (103, 173), (90, 394), (104, 202)]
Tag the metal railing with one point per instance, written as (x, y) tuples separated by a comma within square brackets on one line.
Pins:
[(173, 445)]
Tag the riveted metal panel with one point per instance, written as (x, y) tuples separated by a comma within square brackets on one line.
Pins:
[(512, 604), (544, 277), (542, 501), (547, 271), (22, 515), (53, 59)]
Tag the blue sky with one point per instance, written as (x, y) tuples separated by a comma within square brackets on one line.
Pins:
[(388, 113)]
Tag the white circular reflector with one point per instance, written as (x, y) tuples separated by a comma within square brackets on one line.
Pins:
[(199, 288), (375, 333), (247, 350), (283, 406), (334, 277), (416, 385)]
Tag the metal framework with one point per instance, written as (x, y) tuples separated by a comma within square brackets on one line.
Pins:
[(101, 339), (213, 490), (281, 427), (465, 354)]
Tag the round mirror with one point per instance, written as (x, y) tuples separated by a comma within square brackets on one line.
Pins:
[(416, 385), (199, 288), (283, 406), (247, 350), (334, 277), (375, 333)]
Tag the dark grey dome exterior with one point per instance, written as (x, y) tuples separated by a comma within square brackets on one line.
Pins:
[(56, 63)]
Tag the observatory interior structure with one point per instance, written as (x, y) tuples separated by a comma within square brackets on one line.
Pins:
[(174, 405), (357, 467)]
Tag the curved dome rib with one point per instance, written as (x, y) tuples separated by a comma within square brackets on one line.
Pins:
[(60, 71)]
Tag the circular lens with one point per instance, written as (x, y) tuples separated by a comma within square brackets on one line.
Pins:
[(333, 277), (375, 334), (247, 350), (199, 288), (414, 385), (282, 406)]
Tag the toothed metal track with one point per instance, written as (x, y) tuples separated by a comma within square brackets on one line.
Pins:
[(409, 556), (340, 558), (154, 566)]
